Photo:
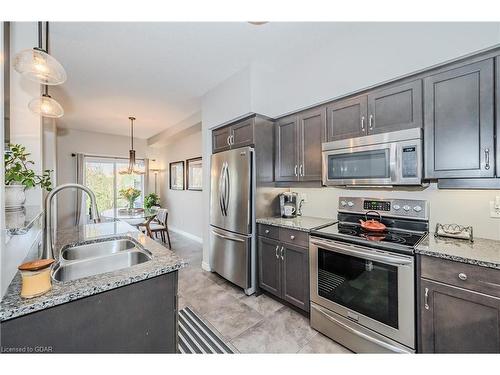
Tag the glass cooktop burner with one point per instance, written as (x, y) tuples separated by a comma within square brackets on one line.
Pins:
[(354, 231)]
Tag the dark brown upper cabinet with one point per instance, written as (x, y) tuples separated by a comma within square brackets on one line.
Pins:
[(242, 134), (347, 118), (395, 108), (298, 146), (392, 108), (459, 122), (286, 159), (233, 136), (220, 139)]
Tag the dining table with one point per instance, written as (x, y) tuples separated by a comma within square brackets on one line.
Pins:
[(135, 216)]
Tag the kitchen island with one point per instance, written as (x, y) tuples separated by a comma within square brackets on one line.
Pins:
[(133, 309)]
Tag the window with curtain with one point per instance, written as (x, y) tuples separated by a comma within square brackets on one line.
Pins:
[(102, 177)]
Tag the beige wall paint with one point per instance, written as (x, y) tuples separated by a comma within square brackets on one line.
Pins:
[(465, 207), (76, 141), (184, 206)]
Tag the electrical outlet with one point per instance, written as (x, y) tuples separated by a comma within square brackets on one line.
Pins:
[(495, 208)]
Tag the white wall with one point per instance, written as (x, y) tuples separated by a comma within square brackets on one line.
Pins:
[(184, 206), (25, 128), (370, 53), (77, 141), (367, 55)]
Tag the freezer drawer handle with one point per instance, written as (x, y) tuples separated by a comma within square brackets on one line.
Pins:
[(227, 237)]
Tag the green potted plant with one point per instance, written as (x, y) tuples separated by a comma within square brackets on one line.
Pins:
[(151, 200), (20, 176), (130, 194)]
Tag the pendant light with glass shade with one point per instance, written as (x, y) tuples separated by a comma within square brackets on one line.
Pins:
[(37, 65), (133, 168)]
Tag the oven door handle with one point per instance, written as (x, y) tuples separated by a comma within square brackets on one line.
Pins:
[(374, 340), (363, 253)]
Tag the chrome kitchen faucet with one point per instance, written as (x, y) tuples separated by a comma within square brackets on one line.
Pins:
[(48, 248)]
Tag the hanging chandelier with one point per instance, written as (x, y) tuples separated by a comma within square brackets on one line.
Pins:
[(133, 168), (37, 65)]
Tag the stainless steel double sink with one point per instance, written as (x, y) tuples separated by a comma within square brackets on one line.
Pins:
[(94, 258)]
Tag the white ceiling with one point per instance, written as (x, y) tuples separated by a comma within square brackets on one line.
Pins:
[(159, 71)]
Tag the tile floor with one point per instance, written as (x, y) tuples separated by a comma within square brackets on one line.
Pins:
[(248, 324)]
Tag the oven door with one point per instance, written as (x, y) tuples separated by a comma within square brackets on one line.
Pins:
[(373, 288), (363, 165)]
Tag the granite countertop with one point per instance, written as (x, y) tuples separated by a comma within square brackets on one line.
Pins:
[(302, 223), (481, 252), (163, 261)]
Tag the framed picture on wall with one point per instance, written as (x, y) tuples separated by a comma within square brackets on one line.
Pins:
[(177, 175), (194, 174)]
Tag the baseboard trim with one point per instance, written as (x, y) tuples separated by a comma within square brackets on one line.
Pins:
[(206, 266), (186, 234)]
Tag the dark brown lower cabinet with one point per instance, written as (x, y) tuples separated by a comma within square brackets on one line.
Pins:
[(457, 320), (284, 271), (136, 318), (295, 270), (269, 266)]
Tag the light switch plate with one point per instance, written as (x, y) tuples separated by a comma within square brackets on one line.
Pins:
[(493, 212)]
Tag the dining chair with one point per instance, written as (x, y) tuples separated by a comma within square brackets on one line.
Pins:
[(161, 226)]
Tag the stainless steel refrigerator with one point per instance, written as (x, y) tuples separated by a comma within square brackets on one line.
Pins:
[(232, 253)]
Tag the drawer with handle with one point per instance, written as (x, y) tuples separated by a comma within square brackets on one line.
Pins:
[(467, 276), (294, 237), (269, 231)]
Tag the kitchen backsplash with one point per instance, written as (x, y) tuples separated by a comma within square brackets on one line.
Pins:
[(466, 207)]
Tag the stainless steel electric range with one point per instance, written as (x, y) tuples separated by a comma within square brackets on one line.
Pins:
[(362, 282)]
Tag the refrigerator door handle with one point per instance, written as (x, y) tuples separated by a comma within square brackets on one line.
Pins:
[(221, 190), (226, 189), (227, 237)]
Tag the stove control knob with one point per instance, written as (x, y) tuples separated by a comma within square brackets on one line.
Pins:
[(417, 208), (350, 204), (406, 208), (396, 207), (343, 203)]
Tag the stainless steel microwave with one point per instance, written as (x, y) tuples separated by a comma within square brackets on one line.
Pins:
[(386, 159)]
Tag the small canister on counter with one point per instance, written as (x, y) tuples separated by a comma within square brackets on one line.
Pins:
[(35, 277)]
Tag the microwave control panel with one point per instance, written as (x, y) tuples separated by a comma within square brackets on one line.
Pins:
[(409, 161)]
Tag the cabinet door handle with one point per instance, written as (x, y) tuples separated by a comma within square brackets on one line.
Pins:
[(462, 276), (232, 139), (292, 237), (282, 251), (266, 231), (276, 251), (487, 158), (370, 122), (363, 123), (301, 170), (426, 299), (295, 170)]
